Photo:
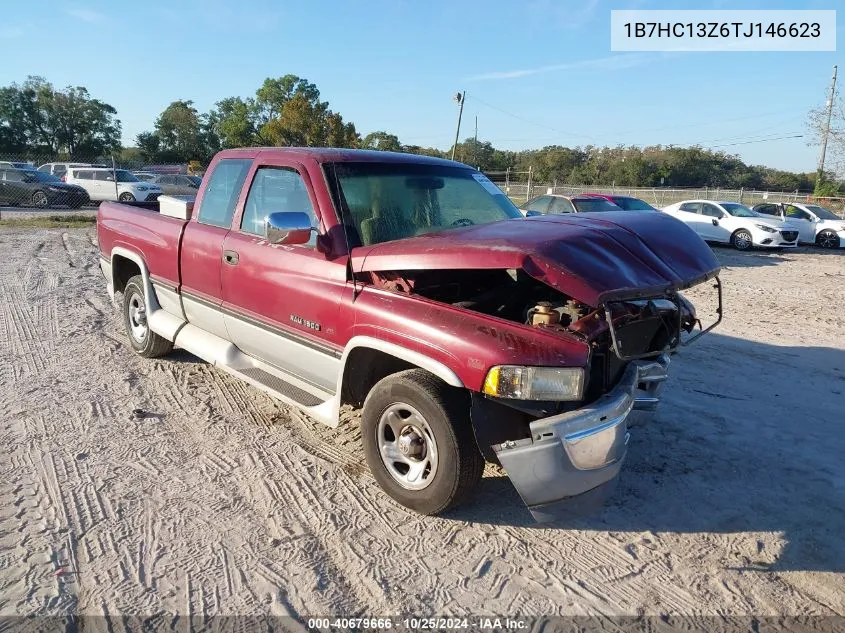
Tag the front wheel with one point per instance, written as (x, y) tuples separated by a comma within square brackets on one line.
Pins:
[(39, 200), (418, 441), (126, 197), (143, 340), (742, 240), (827, 239)]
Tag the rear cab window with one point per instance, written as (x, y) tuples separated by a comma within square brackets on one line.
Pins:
[(221, 193)]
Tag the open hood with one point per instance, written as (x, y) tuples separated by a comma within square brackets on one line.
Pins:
[(592, 257)]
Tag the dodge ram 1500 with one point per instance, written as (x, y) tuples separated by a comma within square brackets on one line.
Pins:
[(412, 286)]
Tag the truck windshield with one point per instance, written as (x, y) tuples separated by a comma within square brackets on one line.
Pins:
[(391, 201)]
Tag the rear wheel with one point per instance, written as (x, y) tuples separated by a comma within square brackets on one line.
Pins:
[(418, 441), (126, 197), (144, 341), (827, 239), (39, 200), (742, 240)]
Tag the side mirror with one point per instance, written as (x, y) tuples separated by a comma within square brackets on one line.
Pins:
[(531, 214), (289, 227), (715, 222)]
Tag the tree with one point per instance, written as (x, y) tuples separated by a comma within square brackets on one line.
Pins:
[(382, 141), (816, 124), (234, 122), (35, 118), (284, 111)]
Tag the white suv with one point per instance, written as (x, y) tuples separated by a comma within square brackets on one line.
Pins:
[(100, 184), (60, 169)]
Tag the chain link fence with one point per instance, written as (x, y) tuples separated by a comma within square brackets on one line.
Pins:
[(661, 197), (52, 183), (49, 182)]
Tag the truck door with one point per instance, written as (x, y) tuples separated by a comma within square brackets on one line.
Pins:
[(281, 303), (201, 255)]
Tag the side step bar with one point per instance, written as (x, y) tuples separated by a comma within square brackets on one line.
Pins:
[(320, 404)]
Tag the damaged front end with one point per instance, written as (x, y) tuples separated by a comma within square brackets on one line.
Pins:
[(561, 431)]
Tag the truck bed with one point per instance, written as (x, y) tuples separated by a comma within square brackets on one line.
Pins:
[(138, 227)]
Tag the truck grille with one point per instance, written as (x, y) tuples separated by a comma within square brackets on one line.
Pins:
[(789, 236)]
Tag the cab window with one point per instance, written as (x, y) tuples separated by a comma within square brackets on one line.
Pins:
[(274, 190), (221, 194)]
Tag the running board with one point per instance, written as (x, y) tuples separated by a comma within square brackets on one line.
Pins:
[(319, 403)]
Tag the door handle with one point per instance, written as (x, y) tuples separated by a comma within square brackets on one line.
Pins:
[(231, 257)]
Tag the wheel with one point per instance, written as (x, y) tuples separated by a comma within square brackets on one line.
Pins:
[(418, 441), (741, 240), (39, 199), (144, 341), (126, 197), (827, 239)]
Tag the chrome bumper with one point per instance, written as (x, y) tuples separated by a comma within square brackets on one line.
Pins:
[(570, 463)]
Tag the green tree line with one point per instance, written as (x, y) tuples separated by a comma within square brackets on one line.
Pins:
[(38, 120)]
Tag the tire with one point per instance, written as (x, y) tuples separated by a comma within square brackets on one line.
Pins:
[(827, 239), (436, 433), (39, 200), (143, 341), (741, 240), (126, 197)]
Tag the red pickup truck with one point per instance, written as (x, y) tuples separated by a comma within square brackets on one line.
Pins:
[(413, 287)]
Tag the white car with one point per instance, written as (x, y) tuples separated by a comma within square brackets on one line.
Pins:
[(733, 223), (100, 184), (816, 225)]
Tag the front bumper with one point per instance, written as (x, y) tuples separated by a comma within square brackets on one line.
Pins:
[(571, 462), (778, 239)]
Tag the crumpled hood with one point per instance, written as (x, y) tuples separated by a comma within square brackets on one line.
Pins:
[(592, 257)]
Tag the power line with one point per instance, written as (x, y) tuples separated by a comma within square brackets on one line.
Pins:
[(762, 140), (524, 120)]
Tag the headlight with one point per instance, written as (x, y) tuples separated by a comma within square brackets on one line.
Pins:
[(765, 228), (535, 383), (142, 188)]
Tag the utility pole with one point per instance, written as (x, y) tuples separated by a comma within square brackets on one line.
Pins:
[(826, 130), (475, 145), (459, 97)]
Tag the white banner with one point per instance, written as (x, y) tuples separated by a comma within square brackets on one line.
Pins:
[(728, 30)]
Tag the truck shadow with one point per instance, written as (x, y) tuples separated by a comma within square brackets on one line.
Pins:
[(749, 438)]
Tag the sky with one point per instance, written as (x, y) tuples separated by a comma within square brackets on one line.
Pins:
[(537, 72)]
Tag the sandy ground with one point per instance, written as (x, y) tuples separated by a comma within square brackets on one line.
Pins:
[(217, 500)]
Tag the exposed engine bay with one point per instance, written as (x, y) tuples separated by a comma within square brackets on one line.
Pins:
[(635, 328), (616, 332)]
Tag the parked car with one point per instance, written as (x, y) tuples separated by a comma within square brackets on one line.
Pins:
[(60, 169), (100, 185), (146, 176), (626, 203), (178, 185), (816, 225), (413, 286), (30, 187), (5, 164), (733, 223), (553, 204)]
